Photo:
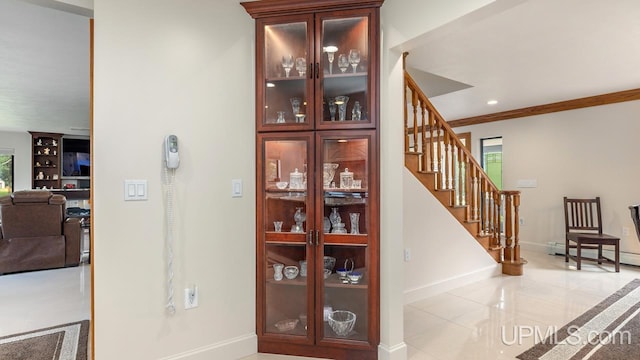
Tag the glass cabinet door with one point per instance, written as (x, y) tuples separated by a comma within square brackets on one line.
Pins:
[(345, 214), (345, 53), (285, 81), (285, 257)]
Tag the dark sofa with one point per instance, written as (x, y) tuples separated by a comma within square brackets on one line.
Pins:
[(35, 234)]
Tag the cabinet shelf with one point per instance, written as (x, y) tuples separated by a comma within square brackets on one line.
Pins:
[(346, 239), (275, 237), (333, 281)]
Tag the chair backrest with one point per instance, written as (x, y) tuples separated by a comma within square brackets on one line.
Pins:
[(32, 213), (635, 215), (582, 215)]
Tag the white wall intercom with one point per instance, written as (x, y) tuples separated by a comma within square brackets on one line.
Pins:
[(172, 158)]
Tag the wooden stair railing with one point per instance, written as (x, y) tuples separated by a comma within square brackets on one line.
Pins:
[(439, 159)]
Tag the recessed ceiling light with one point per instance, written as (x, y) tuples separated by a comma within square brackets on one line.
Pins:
[(492, 102)]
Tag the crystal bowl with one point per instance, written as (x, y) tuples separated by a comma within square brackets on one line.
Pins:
[(291, 272), (342, 322), (286, 325), (282, 185), (354, 277), (343, 272)]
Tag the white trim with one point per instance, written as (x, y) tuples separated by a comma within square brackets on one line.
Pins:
[(396, 352), (7, 151), (234, 348), (442, 286)]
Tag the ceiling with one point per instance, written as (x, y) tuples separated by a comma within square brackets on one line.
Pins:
[(528, 52), (519, 52), (44, 67)]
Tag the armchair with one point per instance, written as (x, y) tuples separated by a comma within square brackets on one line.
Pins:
[(35, 233)]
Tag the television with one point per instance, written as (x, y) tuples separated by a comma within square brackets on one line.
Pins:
[(76, 157)]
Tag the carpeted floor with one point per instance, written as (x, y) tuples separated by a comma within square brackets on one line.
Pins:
[(610, 330), (63, 342)]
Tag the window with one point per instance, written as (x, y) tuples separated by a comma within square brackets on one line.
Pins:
[(491, 156), (6, 172)]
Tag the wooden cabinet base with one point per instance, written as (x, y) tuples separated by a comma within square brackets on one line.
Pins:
[(273, 347)]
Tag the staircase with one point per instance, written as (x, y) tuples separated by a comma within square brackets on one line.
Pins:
[(442, 163)]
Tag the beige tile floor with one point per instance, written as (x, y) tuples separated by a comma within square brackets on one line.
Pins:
[(465, 323)]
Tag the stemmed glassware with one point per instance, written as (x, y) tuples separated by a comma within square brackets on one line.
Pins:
[(343, 62), (330, 50), (287, 64), (354, 59), (301, 66)]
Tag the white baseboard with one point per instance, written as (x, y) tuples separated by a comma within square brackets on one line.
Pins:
[(445, 285), (396, 352), (556, 248), (235, 348)]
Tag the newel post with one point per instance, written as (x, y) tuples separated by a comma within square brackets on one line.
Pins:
[(512, 264)]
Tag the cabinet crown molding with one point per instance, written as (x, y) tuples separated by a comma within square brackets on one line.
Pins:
[(264, 8)]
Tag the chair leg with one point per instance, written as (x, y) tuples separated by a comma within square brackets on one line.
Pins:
[(617, 246), (600, 254), (578, 255), (566, 250)]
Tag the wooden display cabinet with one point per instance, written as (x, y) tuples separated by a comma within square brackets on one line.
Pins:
[(310, 115), (315, 116), (46, 155)]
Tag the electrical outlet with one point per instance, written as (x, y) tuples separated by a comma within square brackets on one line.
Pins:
[(407, 255), (521, 221), (625, 231), (191, 297)]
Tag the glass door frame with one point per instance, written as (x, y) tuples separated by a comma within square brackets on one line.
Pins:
[(262, 227)]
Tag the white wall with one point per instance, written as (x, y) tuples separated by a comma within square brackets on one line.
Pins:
[(443, 253), (184, 68), (20, 142), (580, 153), (407, 20)]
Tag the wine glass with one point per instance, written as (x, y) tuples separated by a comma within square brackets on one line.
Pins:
[(287, 63), (343, 62), (301, 66), (330, 50), (354, 58)]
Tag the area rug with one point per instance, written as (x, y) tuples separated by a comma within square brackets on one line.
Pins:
[(63, 342), (610, 330)]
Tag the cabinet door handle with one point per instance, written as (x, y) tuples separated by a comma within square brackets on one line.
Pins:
[(310, 70), (317, 70), (310, 237), (317, 237)]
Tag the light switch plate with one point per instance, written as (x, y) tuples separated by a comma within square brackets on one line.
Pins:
[(135, 190), (236, 188)]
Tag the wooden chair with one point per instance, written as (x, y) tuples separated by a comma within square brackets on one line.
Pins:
[(635, 215), (583, 226)]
